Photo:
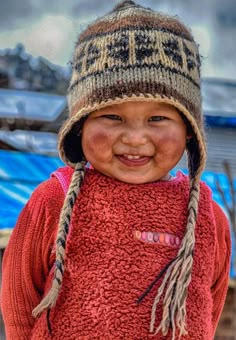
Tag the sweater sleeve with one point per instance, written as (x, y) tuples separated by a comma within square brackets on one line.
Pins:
[(28, 258), (222, 264)]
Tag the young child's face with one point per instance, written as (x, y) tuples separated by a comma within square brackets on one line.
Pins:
[(134, 142)]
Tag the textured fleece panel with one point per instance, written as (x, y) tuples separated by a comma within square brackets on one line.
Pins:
[(107, 268)]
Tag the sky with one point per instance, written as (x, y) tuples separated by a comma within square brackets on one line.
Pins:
[(49, 27)]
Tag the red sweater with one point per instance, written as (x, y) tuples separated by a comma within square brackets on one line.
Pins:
[(122, 235)]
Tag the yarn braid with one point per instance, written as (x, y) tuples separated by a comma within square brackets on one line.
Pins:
[(178, 275), (49, 300)]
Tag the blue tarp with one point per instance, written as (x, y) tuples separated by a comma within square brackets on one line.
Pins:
[(21, 172)]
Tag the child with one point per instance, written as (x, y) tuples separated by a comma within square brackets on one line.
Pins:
[(138, 253)]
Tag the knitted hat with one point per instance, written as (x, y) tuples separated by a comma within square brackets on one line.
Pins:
[(135, 54)]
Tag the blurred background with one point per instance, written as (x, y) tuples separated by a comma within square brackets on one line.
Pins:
[(36, 45)]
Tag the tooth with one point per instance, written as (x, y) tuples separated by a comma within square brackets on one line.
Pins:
[(132, 156)]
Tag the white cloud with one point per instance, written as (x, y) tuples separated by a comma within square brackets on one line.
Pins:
[(51, 37), (203, 37)]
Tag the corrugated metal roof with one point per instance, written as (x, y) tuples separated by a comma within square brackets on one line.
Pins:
[(221, 145), (219, 97), (33, 141), (31, 105)]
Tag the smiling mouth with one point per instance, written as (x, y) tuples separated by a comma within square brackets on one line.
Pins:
[(133, 160)]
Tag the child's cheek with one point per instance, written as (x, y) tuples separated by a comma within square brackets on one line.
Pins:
[(99, 138), (97, 141), (173, 139)]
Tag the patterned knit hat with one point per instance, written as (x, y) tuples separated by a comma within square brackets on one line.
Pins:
[(135, 54)]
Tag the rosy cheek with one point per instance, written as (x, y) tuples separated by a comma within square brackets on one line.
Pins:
[(167, 138), (172, 139), (97, 138), (95, 142)]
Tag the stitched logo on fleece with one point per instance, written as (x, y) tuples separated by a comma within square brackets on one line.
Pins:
[(157, 238)]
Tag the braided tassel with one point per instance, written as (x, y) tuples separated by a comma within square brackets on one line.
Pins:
[(49, 300), (178, 277)]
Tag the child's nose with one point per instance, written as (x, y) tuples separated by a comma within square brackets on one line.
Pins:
[(134, 136)]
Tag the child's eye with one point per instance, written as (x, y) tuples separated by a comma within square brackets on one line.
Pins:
[(156, 118), (112, 117)]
